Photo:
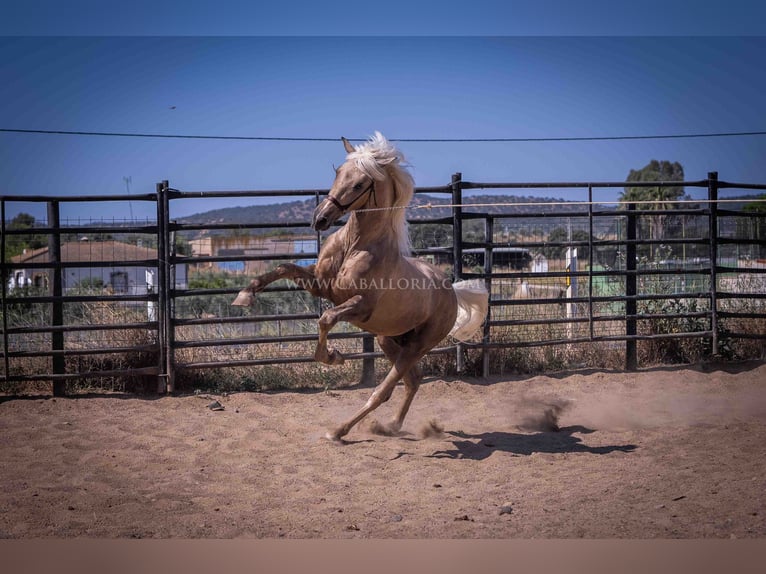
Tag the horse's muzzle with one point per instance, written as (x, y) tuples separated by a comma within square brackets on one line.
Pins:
[(325, 215), (320, 223)]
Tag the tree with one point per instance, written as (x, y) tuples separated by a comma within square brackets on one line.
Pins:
[(428, 235), (660, 171), (562, 235), (16, 244), (754, 227), (661, 198)]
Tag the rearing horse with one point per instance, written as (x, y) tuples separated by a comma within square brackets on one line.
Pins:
[(366, 271)]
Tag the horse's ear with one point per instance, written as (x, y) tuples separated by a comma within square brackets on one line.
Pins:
[(347, 145)]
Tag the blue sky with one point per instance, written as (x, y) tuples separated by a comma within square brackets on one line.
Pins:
[(430, 86)]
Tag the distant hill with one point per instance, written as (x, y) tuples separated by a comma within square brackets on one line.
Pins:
[(289, 212), (301, 211)]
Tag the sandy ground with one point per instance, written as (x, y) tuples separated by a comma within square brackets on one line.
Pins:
[(662, 453)]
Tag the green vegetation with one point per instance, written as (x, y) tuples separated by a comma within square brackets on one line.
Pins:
[(219, 305), (427, 235), (655, 198), (16, 244), (659, 199), (561, 235), (754, 227)]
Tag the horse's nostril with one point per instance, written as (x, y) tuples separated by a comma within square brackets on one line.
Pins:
[(320, 224)]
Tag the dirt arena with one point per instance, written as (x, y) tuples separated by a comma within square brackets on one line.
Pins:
[(662, 453)]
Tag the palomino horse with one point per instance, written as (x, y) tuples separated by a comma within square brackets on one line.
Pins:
[(366, 271)]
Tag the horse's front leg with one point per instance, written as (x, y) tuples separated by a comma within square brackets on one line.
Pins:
[(357, 308), (302, 276)]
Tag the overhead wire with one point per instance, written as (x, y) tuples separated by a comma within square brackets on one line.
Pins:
[(411, 140)]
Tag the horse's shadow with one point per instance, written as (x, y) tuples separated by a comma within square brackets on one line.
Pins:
[(518, 444)]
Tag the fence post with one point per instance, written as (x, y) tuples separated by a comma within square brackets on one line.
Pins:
[(631, 357), (162, 287), (368, 363), (57, 307), (457, 249), (167, 266), (712, 190), (489, 224), (170, 271), (590, 263), (4, 277)]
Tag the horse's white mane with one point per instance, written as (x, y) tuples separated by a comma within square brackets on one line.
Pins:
[(373, 155), (377, 158)]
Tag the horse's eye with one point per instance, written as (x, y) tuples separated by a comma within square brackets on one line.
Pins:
[(357, 187)]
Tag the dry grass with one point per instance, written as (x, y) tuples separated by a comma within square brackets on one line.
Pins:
[(231, 377), (89, 315)]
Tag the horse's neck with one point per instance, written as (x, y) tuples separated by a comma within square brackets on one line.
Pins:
[(379, 230), (370, 231)]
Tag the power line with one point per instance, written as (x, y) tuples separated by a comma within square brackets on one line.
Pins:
[(416, 140)]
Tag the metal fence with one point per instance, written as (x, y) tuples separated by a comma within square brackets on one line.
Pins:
[(151, 302)]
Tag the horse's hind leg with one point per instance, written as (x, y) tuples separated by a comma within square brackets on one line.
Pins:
[(411, 384), (302, 276), (404, 355), (404, 352), (411, 378), (381, 393)]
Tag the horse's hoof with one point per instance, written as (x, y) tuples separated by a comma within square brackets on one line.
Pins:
[(331, 357), (336, 358), (335, 437), (244, 299)]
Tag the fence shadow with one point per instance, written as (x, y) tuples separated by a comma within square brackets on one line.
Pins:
[(481, 446), (90, 395)]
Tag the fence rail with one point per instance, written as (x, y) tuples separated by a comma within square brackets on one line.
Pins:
[(559, 273)]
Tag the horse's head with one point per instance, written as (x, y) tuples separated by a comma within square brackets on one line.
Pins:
[(373, 176), (351, 190)]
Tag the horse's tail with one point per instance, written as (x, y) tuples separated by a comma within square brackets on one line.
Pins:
[(472, 305)]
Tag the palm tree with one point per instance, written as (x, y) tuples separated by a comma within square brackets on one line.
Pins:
[(660, 198)]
